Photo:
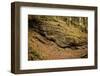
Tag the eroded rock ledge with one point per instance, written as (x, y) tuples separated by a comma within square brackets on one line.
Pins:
[(48, 35)]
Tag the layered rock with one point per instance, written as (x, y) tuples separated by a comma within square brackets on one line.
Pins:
[(56, 37), (64, 35)]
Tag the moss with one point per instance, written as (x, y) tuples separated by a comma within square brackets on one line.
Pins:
[(34, 55)]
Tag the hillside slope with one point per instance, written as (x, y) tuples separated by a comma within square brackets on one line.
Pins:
[(57, 37)]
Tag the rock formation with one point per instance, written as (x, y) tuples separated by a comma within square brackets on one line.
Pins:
[(67, 34)]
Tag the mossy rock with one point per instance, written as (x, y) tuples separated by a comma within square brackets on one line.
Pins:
[(56, 30)]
